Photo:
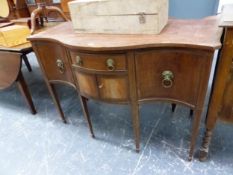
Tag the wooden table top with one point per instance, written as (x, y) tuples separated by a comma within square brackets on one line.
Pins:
[(27, 46), (202, 34), (18, 48)]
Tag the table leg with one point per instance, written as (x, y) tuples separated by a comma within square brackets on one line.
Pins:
[(25, 92), (25, 59), (83, 101)]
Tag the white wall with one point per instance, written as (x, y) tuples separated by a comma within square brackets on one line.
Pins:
[(222, 2)]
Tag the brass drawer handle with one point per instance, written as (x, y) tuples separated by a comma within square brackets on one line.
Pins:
[(79, 61), (60, 66), (168, 77), (110, 64)]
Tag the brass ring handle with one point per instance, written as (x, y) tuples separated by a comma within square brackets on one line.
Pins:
[(110, 64), (79, 61), (60, 66), (168, 77)]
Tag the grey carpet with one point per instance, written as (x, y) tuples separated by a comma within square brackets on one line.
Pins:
[(43, 145)]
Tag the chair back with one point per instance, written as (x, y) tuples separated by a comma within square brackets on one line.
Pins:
[(5, 9)]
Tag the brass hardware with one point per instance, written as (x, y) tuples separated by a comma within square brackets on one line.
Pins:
[(101, 86), (168, 77), (60, 66), (110, 64), (79, 61), (142, 18)]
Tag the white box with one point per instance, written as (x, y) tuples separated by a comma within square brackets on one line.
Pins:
[(119, 16)]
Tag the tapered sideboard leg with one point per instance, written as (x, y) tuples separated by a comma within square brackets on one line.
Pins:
[(136, 124), (195, 129), (83, 101), (173, 107), (53, 93)]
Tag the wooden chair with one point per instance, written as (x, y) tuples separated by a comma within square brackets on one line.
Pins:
[(11, 58), (9, 11), (42, 12)]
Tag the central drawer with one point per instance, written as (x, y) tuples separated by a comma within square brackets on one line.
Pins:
[(99, 62), (169, 74)]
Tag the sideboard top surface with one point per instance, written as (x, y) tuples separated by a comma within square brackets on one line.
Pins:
[(201, 34)]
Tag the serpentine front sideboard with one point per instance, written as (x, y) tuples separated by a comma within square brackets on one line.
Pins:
[(173, 66)]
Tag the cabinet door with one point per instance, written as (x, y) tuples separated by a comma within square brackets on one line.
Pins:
[(227, 103), (54, 61), (103, 87), (113, 88), (87, 85), (171, 74)]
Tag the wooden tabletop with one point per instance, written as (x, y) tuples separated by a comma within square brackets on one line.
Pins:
[(27, 46), (19, 48), (204, 34)]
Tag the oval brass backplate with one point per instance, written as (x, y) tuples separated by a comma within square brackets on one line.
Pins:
[(110, 64), (168, 77), (60, 66), (79, 61)]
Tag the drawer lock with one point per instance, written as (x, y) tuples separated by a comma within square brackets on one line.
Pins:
[(110, 64), (60, 66), (168, 77)]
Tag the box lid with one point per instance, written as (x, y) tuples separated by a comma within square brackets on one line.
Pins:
[(118, 7)]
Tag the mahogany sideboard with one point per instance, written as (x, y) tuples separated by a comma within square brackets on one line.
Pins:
[(221, 102), (173, 66)]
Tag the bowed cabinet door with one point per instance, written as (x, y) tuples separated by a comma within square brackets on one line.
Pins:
[(54, 62)]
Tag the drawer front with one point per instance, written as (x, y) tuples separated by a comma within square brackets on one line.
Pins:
[(99, 62), (104, 87), (227, 101), (53, 59), (170, 74)]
